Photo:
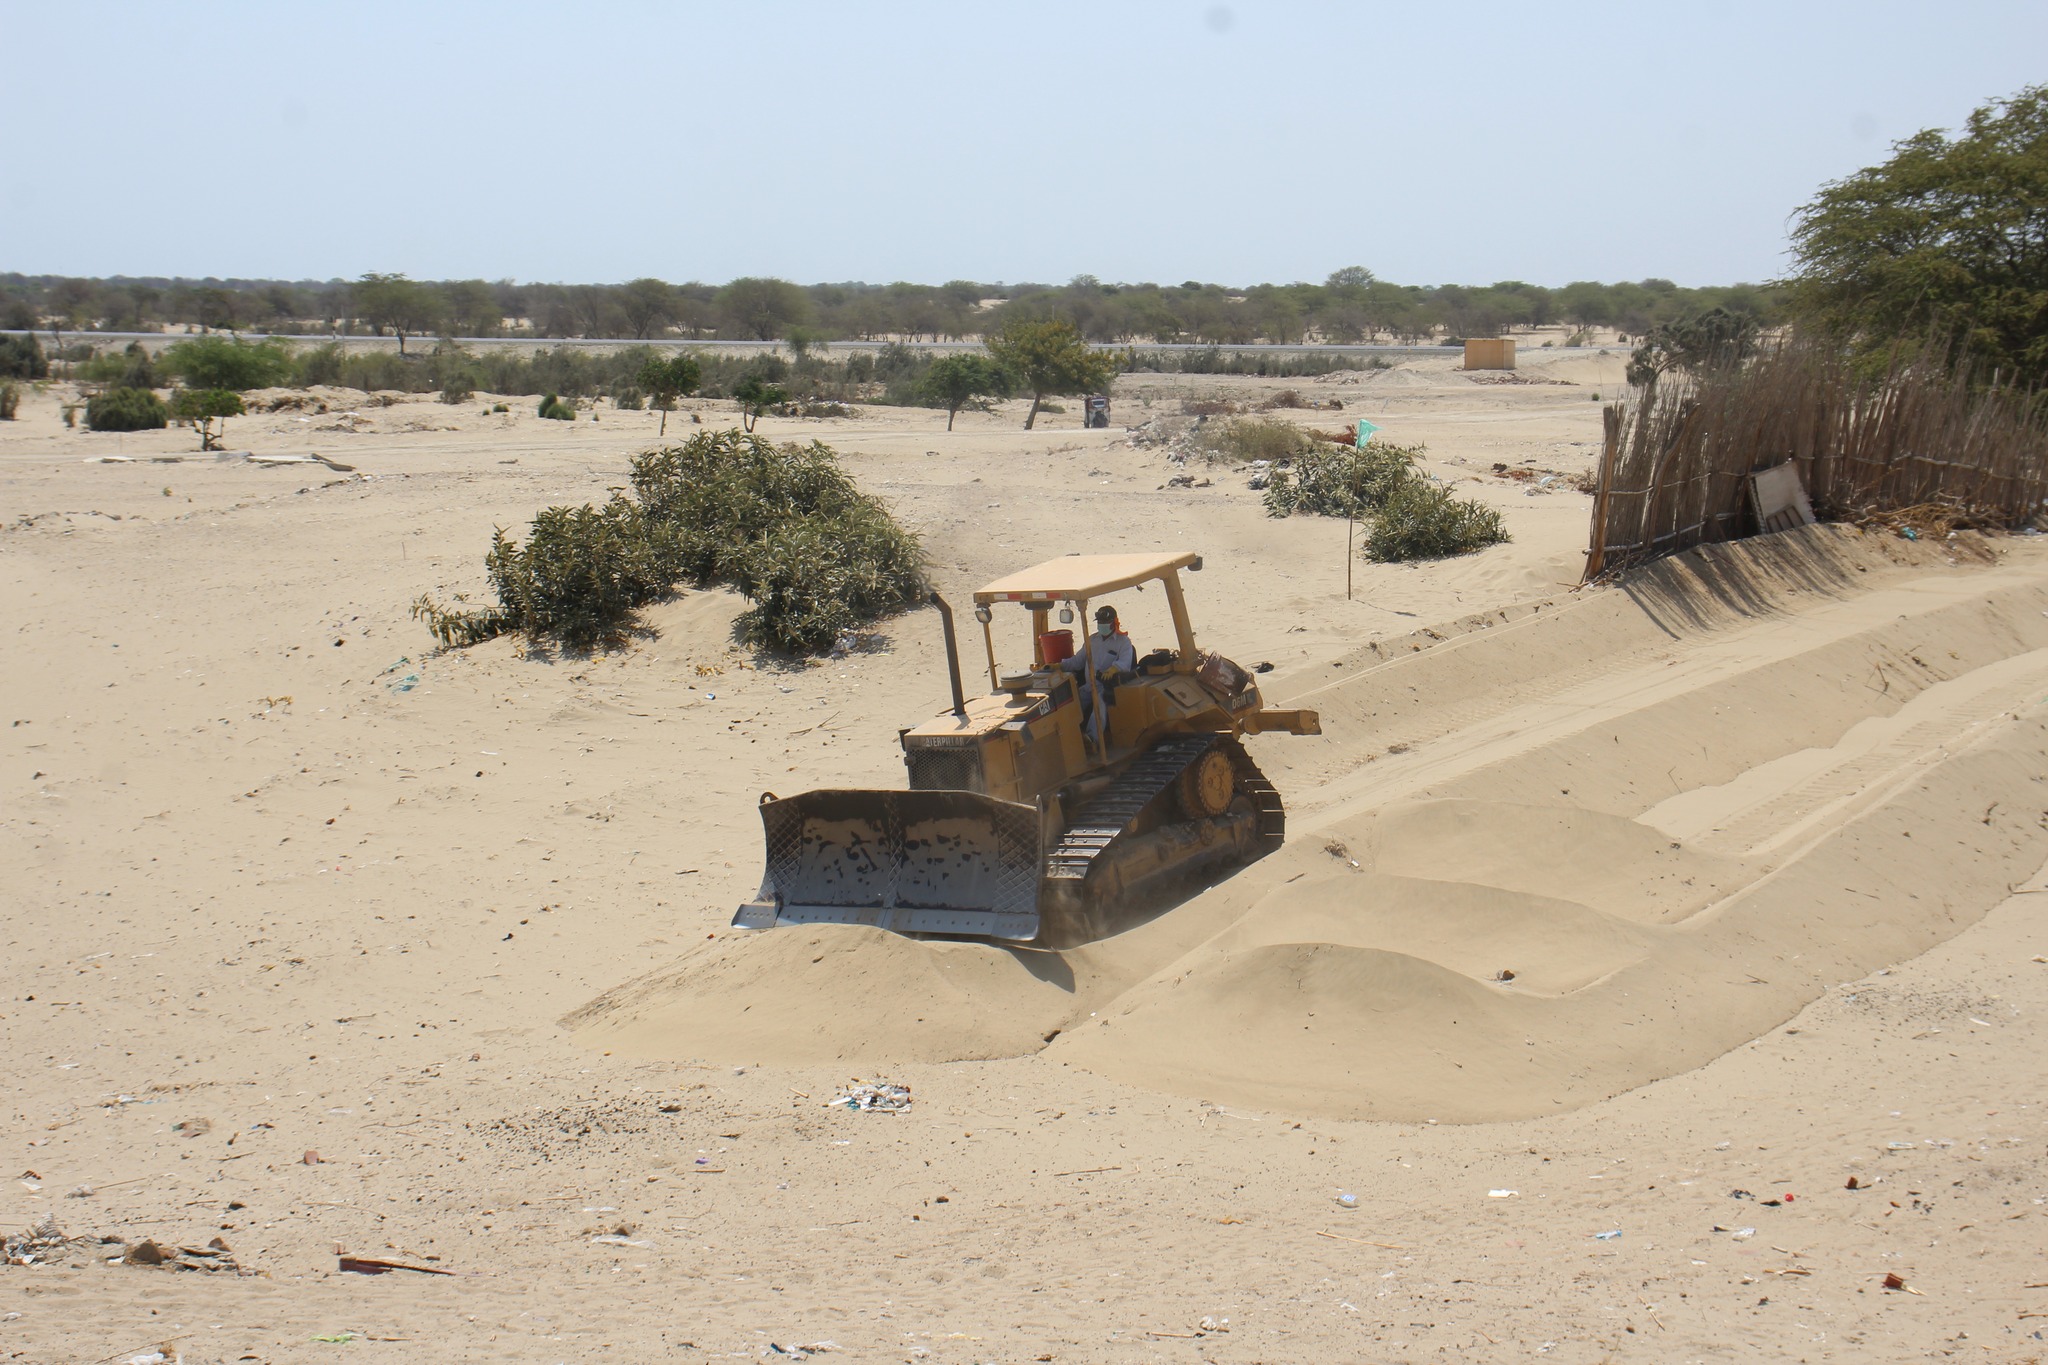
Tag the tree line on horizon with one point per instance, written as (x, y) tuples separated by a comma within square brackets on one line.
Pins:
[(1351, 305)]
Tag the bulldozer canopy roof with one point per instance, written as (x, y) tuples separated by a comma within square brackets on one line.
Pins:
[(1075, 577)]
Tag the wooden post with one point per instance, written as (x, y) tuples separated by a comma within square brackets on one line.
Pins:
[(1350, 529)]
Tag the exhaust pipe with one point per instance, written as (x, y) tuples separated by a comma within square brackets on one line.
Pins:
[(952, 655)]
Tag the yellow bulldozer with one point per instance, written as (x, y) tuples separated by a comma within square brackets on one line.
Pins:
[(1029, 817)]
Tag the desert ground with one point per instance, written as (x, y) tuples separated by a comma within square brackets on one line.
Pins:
[(1655, 971)]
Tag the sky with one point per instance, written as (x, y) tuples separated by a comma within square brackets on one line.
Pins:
[(1132, 140)]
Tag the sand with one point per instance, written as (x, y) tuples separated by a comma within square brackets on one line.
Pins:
[(1598, 907)]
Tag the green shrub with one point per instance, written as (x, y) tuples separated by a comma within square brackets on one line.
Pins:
[(1423, 520), (200, 408), (21, 357), (1340, 481), (229, 363), (788, 528), (126, 410), (555, 410), (10, 400), (629, 398), (1242, 440), (783, 524)]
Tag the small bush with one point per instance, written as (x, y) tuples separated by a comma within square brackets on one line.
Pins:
[(629, 399), (1422, 520), (555, 410), (21, 357), (783, 524), (1337, 481), (201, 408), (788, 528), (1243, 439), (501, 407), (1207, 407), (126, 410), (10, 400), (457, 389)]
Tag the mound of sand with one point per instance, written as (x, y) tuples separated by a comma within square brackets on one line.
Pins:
[(1483, 911)]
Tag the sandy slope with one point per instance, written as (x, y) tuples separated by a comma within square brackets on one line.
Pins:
[(1744, 833)]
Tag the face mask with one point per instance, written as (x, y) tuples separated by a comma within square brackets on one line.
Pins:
[(1106, 629)]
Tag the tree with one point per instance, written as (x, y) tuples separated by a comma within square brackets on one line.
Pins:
[(229, 363), (649, 306), (756, 395), (667, 378), (1049, 358), (201, 407), (762, 309), (394, 301), (472, 307), (1700, 342), (1949, 237), (955, 381)]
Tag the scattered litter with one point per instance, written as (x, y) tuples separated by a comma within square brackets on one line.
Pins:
[(249, 457), (804, 1352), (1893, 1280), (609, 1239), (1855, 1183), (367, 1265), (1347, 1201), (1744, 1234), (192, 1128), (311, 1158), (1209, 1324), (1502, 1194), (1607, 1236), (883, 1096), (337, 1338)]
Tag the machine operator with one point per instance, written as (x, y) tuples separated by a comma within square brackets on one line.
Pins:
[(1114, 657)]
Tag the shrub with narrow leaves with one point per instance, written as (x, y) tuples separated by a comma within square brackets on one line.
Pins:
[(126, 410), (783, 524), (1341, 481), (1424, 520)]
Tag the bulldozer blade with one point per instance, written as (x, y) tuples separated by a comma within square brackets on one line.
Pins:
[(933, 862)]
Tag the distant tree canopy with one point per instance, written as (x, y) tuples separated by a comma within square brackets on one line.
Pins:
[(1351, 305), (1050, 358), (403, 305), (763, 310), (1948, 239)]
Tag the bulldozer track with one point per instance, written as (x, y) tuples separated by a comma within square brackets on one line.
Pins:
[(1110, 813)]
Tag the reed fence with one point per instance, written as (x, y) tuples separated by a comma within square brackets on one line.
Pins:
[(1921, 443)]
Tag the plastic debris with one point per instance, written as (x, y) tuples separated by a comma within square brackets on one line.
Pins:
[(1607, 1236), (1502, 1194), (1347, 1201), (884, 1096)]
